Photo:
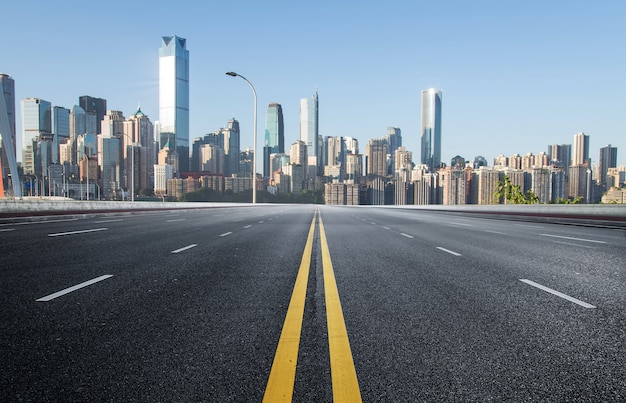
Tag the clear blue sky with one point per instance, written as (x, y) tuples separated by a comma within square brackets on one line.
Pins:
[(516, 76)]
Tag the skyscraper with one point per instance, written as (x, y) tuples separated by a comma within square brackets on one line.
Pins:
[(580, 156), (232, 147), (608, 159), (36, 135), (274, 135), (309, 132), (376, 153), (7, 92), (95, 108), (60, 129), (174, 97), (431, 128)]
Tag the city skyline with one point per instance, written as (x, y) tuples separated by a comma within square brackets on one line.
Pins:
[(534, 84)]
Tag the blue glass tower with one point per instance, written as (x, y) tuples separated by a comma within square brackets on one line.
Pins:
[(274, 135), (174, 97)]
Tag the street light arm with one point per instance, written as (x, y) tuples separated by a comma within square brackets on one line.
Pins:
[(233, 74)]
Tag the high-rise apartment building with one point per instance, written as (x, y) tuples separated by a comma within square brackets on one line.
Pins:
[(376, 154), (608, 159), (274, 135), (580, 155), (174, 97), (298, 154), (139, 152), (394, 140), (431, 128), (561, 155), (309, 132)]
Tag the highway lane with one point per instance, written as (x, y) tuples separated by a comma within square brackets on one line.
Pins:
[(427, 324), (433, 305), (197, 325)]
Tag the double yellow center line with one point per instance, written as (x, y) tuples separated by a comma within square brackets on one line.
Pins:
[(282, 377)]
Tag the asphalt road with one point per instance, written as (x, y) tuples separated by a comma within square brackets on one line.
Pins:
[(190, 306)]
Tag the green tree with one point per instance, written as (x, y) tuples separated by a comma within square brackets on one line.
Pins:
[(512, 193)]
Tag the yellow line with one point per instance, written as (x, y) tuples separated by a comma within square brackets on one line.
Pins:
[(343, 374), (283, 374)]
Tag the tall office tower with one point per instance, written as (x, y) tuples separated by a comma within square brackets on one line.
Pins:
[(77, 126), (309, 133), (36, 136), (110, 163), (60, 129), (139, 153), (608, 159), (112, 126), (274, 135), (174, 98), (232, 147), (431, 128), (8, 138), (376, 154), (96, 108), (394, 140), (580, 155)]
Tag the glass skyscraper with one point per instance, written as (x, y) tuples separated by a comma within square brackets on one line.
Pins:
[(309, 132), (174, 97), (274, 135), (95, 108), (431, 128), (36, 134), (7, 92)]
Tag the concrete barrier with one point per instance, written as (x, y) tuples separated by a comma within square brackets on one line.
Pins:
[(586, 214), (54, 206)]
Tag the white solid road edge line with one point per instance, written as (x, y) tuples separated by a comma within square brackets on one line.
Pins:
[(449, 251), (193, 245), (74, 288), (558, 294)]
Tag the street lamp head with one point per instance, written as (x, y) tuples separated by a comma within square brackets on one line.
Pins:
[(232, 74)]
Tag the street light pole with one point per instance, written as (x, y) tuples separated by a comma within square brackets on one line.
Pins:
[(233, 74)]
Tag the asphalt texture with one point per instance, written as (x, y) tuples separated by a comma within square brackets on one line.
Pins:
[(433, 305)]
